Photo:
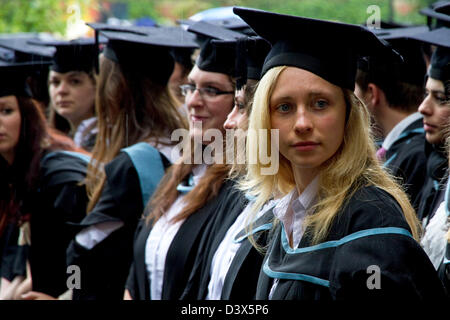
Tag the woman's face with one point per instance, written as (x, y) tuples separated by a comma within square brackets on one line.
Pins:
[(10, 122), (310, 115), (206, 110), (72, 95), (238, 117), (435, 110)]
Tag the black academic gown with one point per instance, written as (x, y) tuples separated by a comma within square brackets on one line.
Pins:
[(13, 256), (406, 159), (184, 249), (431, 194), (444, 269), (229, 210), (368, 254), (60, 200), (242, 276), (104, 268)]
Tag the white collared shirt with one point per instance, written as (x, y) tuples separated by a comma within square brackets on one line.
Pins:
[(292, 211), (399, 128), (80, 134), (161, 237), (227, 250), (434, 240)]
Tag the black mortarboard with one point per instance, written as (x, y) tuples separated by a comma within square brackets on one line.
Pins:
[(250, 55), (25, 50), (440, 60), (327, 49), (213, 58), (440, 11), (144, 51), (74, 55), (14, 72), (384, 68), (233, 23), (34, 63)]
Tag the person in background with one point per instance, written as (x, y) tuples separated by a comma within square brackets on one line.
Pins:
[(392, 90), (436, 108), (192, 193), (71, 84), (436, 115), (40, 186), (136, 115), (229, 267), (340, 212)]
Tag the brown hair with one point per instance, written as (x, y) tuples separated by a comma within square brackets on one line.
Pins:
[(35, 137), (130, 108), (400, 95)]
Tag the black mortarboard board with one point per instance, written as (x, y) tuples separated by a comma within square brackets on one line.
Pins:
[(440, 59), (73, 55), (213, 58), (15, 70), (181, 54), (327, 49), (26, 50), (440, 11), (144, 51), (250, 55), (384, 68), (233, 23)]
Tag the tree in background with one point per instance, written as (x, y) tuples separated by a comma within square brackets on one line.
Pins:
[(55, 16)]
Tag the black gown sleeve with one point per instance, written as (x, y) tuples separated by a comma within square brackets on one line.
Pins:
[(121, 200), (60, 200)]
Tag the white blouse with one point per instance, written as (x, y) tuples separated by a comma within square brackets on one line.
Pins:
[(292, 211), (227, 250), (434, 239), (160, 239)]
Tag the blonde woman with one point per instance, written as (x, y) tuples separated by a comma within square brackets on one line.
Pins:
[(344, 229)]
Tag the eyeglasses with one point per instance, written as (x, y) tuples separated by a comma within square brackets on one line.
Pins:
[(205, 93)]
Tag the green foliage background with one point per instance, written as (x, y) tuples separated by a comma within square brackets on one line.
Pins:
[(51, 15)]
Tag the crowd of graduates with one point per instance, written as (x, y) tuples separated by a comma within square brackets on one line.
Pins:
[(99, 199)]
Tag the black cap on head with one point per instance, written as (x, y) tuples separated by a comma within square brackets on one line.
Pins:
[(440, 60), (28, 49), (144, 51), (15, 71), (327, 49), (213, 58), (74, 55), (440, 11), (250, 55), (384, 68), (233, 23)]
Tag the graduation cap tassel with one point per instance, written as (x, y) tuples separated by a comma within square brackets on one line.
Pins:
[(97, 53), (241, 63)]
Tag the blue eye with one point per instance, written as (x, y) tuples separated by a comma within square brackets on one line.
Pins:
[(321, 104), (284, 108)]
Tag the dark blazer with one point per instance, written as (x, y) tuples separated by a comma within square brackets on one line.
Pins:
[(406, 159), (59, 200), (183, 250)]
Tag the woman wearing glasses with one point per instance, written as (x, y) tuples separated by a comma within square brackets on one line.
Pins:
[(184, 205)]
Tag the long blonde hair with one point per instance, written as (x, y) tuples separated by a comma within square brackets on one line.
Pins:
[(130, 108), (353, 166)]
